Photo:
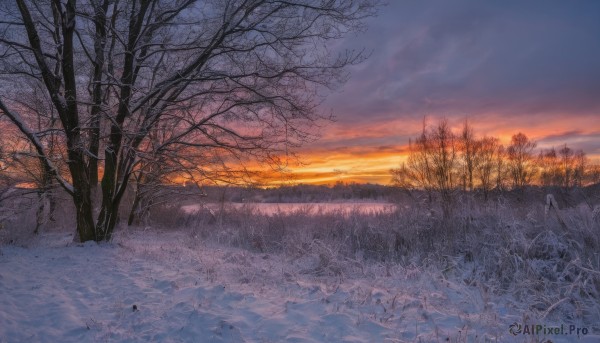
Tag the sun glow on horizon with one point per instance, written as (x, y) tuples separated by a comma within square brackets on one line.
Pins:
[(372, 163)]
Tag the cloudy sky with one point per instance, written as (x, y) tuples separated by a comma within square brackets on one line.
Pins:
[(507, 66)]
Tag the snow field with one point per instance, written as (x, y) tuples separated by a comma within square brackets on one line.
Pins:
[(242, 276), (187, 291)]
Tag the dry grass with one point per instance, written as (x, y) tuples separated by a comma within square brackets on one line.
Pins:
[(501, 246)]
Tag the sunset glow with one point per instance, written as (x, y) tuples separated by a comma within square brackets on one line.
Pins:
[(526, 67)]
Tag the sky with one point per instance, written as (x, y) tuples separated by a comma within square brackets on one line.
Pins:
[(506, 66)]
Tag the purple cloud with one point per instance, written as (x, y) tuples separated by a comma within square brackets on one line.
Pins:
[(507, 58)]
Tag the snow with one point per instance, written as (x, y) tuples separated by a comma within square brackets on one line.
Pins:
[(186, 290)]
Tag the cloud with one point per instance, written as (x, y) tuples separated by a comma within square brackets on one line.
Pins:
[(507, 66), (465, 57), (576, 139)]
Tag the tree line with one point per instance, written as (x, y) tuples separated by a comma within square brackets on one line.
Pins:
[(443, 161)]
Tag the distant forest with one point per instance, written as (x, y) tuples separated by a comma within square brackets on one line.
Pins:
[(302, 193), (443, 161)]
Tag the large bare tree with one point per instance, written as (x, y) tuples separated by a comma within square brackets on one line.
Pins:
[(239, 77)]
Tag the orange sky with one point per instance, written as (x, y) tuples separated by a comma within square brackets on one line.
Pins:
[(528, 67), (355, 154), (523, 66)]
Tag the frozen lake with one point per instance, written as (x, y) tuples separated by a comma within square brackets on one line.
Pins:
[(286, 208)]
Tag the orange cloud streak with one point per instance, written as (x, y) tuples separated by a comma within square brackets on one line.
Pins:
[(349, 160)]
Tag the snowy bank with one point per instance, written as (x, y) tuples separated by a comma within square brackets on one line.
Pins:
[(184, 291)]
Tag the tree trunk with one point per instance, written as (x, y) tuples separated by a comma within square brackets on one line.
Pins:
[(133, 214), (107, 222), (107, 212), (114, 181), (112, 194), (51, 207), (39, 215), (84, 215), (97, 91)]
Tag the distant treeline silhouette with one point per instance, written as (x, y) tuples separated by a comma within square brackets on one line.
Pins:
[(443, 161)]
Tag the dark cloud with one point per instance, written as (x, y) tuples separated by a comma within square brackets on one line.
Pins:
[(508, 66), (515, 59), (576, 140), (560, 137)]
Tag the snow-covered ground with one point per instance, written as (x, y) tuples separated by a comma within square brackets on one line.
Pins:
[(188, 291)]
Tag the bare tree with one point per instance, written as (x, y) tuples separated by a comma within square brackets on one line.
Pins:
[(432, 164), (580, 163), (501, 168), (160, 164), (416, 172), (572, 166), (444, 158), (549, 167), (521, 165), (440, 161), (565, 167), (489, 153), (469, 155), (592, 173), (241, 76), (22, 166)]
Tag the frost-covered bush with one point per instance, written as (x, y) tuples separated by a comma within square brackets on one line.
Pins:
[(548, 260), (503, 245)]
